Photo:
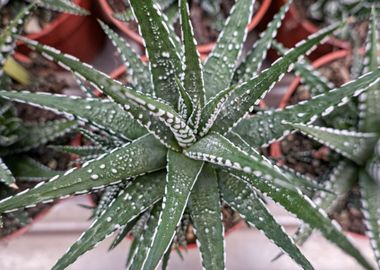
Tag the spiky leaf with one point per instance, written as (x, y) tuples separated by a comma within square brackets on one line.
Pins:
[(125, 208), (63, 6), (182, 173), (204, 207), (6, 176)]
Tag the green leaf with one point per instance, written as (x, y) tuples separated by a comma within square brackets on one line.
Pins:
[(155, 115), (182, 173), (216, 149), (28, 169), (310, 77), (306, 210), (136, 69), (370, 101), (204, 207), (244, 200), (63, 6), (7, 35), (220, 65), (185, 104), (252, 63), (371, 201), (144, 242), (109, 194), (122, 234), (32, 135), (164, 60), (136, 198), (5, 174), (248, 94), (267, 126), (82, 151), (340, 181), (193, 81), (142, 156), (356, 146)]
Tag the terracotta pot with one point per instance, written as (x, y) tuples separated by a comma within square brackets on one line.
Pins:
[(275, 148), (295, 29), (203, 48), (80, 36)]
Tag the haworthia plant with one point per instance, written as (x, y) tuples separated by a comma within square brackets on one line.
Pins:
[(190, 150), (360, 145)]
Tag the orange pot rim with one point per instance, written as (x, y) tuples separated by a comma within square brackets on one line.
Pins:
[(202, 48)]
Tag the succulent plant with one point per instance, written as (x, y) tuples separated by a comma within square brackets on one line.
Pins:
[(181, 140), (358, 147)]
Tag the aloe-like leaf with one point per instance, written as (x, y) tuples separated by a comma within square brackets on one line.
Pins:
[(63, 6), (6, 176), (108, 196), (182, 173), (27, 169), (155, 115), (216, 149), (244, 200), (7, 35), (305, 209), (166, 258), (204, 207), (123, 232), (340, 181), (370, 101), (220, 65), (310, 77), (164, 60), (33, 135), (125, 208), (145, 240), (193, 81), (104, 140), (267, 126), (253, 61), (107, 169), (248, 94), (353, 145), (136, 69), (185, 104), (82, 151), (371, 201)]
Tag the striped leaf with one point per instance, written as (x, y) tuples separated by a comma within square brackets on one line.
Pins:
[(305, 209), (370, 101), (124, 209), (142, 156), (370, 192), (6, 176), (204, 207), (136, 69), (268, 126), (181, 176), (251, 92), (252, 63), (193, 81), (104, 114), (220, 66), (216, 149), (63, 6), (353, 145), (241, 198), (164, 60), (144, 242), (33, 135), (82, 151)]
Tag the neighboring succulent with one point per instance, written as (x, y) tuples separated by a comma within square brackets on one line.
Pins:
[(185, 141), (17, 137), (359, 147)]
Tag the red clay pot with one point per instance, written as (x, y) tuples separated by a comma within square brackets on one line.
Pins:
[(275, 148), (203, 48), (80, 36), (295, 29)]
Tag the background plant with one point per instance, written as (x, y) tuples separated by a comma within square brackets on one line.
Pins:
[(185, 142), (358, 147)]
